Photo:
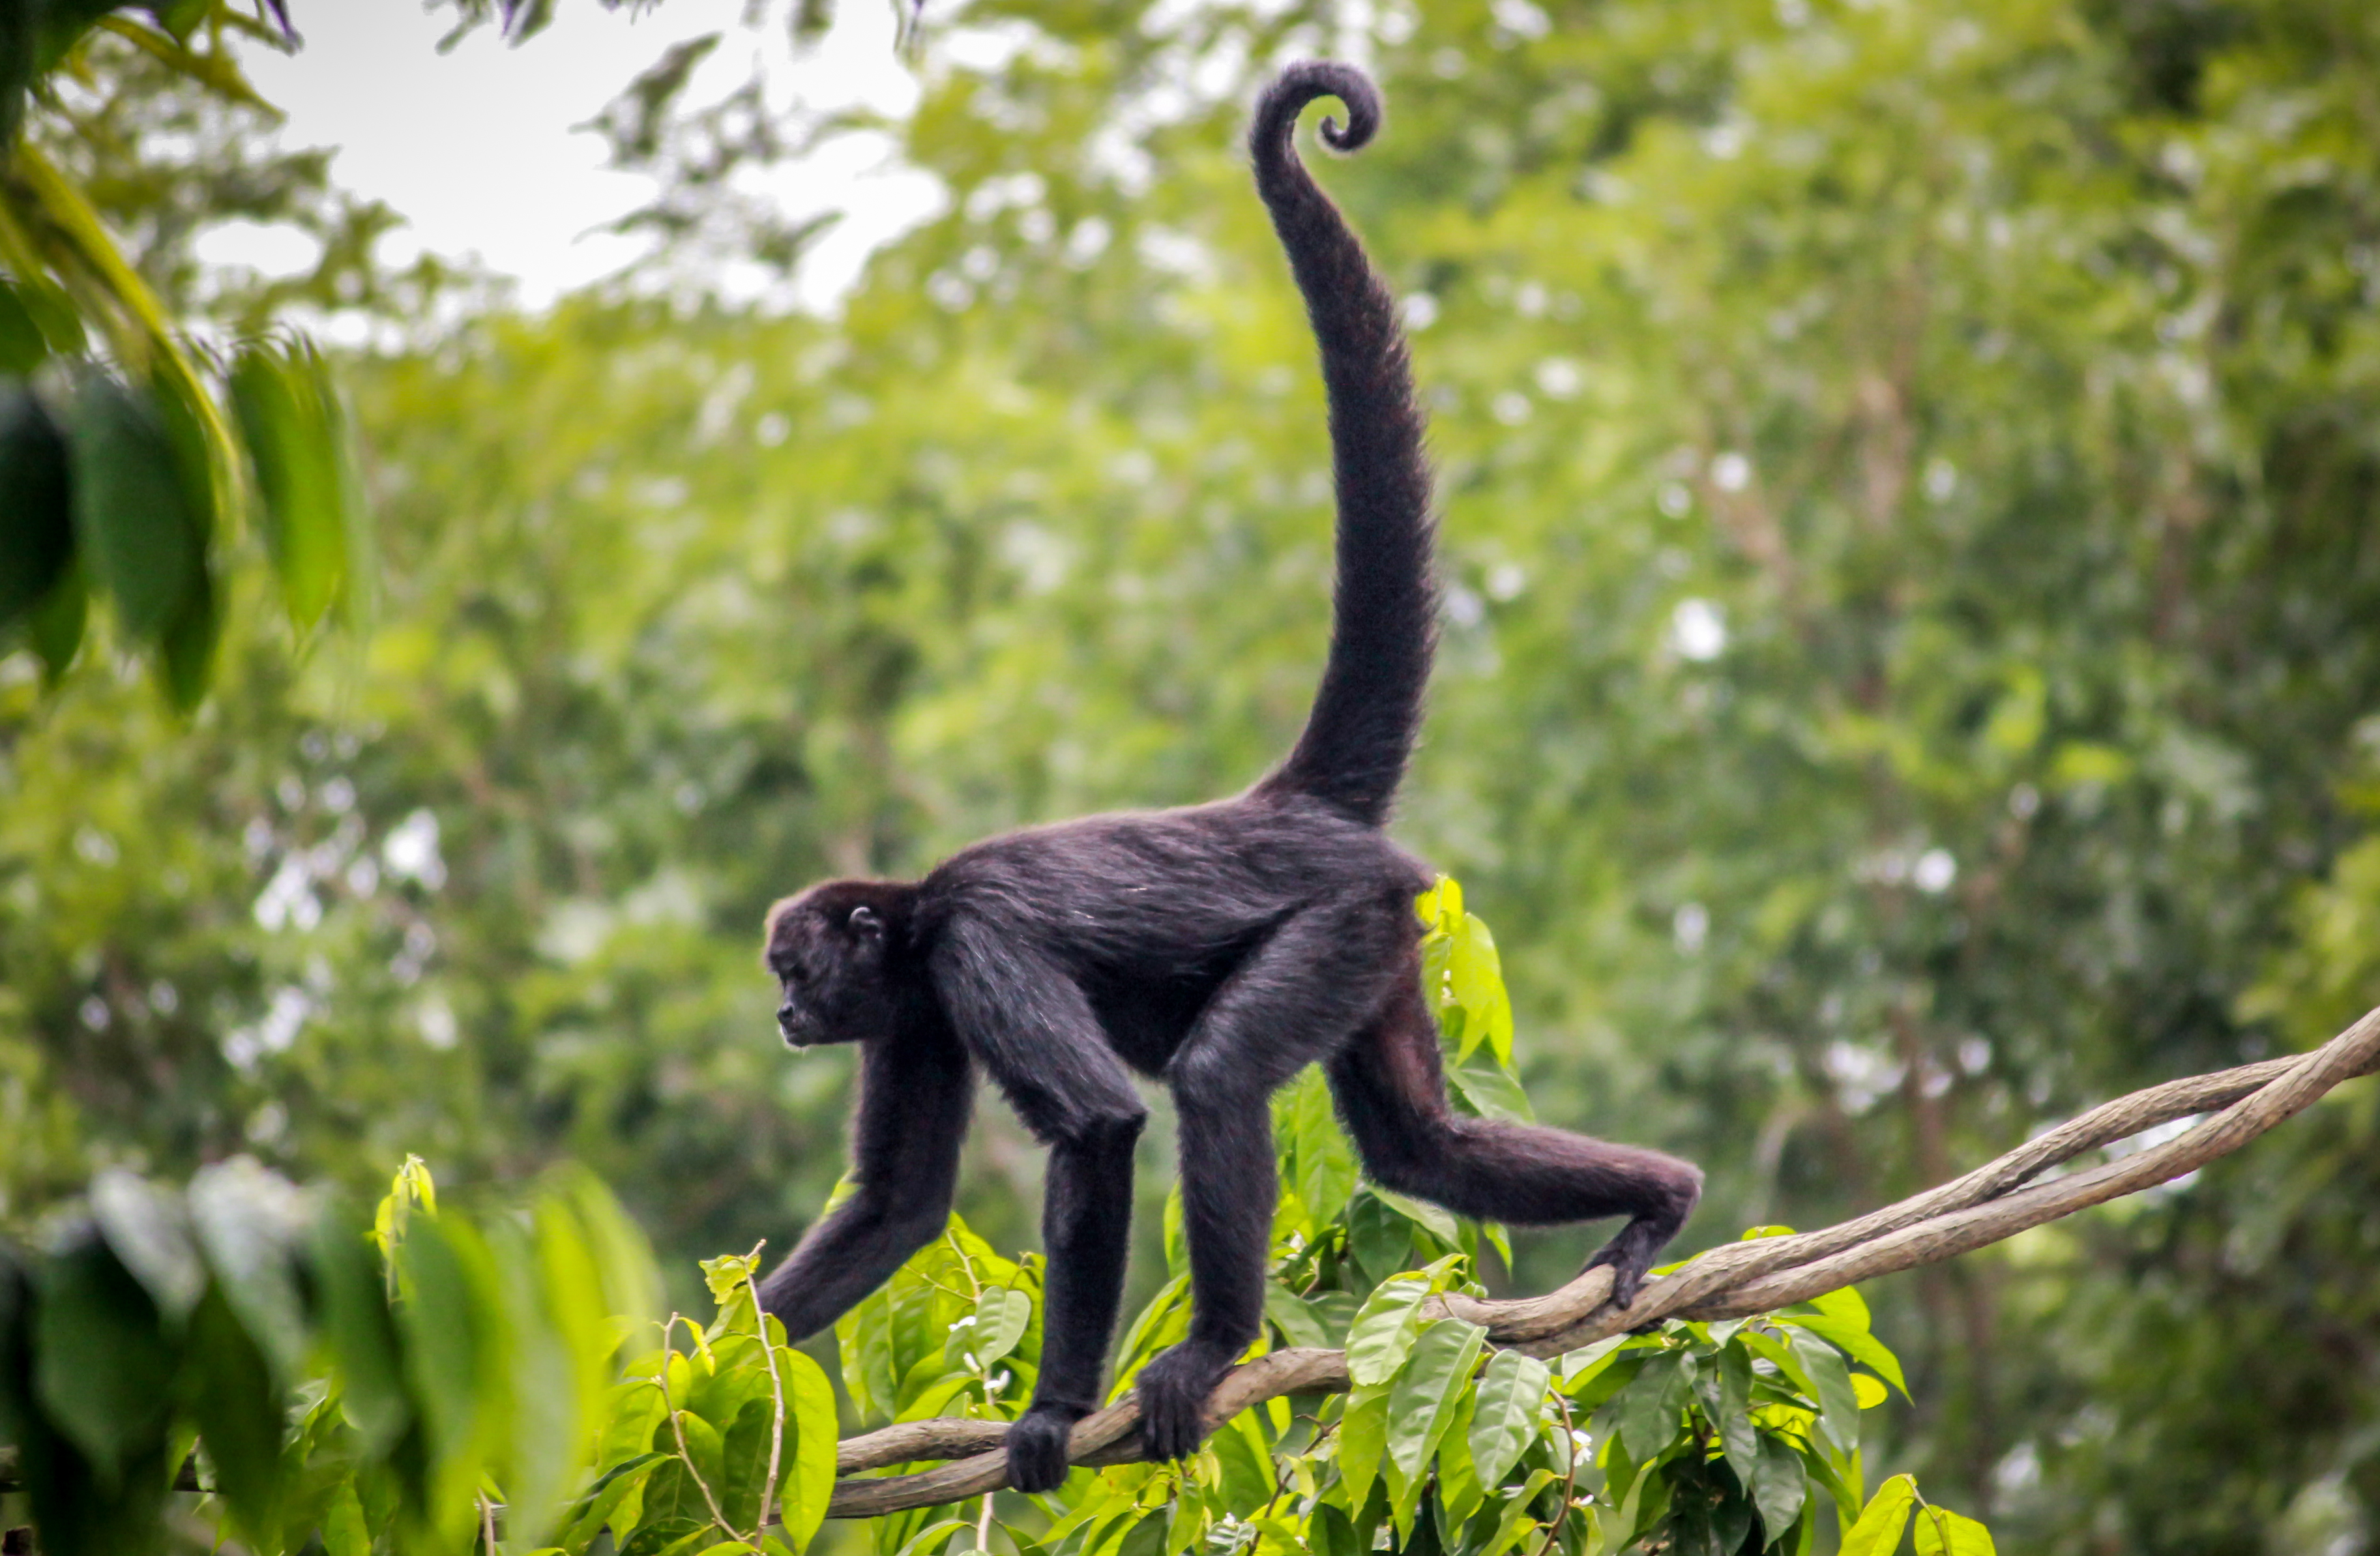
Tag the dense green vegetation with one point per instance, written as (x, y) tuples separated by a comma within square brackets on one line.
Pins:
[(1910, 481)]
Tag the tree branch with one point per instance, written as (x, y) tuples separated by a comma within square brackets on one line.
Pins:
[(1994, 1202)]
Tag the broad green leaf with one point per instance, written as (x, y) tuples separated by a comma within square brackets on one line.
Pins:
[(1651, 1407), (1295, 1320), (229, 1389), (1878, 1533), (289, 416), (133, 522), (366, 1353), (56, 625), (1855, 1340), (587, 1517), (1384, 1329), (1491, 1093), (101, 1360), (451, 1365), (36, 502), (1504, 1416), (249, 1221), (1779, 1487), (1248, 1473), (1381, 1237), (744, 1449), (344, 1530), (1326, 1160), (1363, 1439), (148, 1229), (1516, 1523), (1837, 1403), (1870, 1392), (1432, 1378), (21, 345), (807, 1475), (1439, 1223), (1737, 1436), (1001, 1316), (1941, 1532)]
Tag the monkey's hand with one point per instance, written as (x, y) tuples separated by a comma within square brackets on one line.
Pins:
[(1036, 1446), (1173, 1391)]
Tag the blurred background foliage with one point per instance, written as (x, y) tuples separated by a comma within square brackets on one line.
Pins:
[(1912, 487)]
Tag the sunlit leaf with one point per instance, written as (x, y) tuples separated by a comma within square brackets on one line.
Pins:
[(1881, 1522)]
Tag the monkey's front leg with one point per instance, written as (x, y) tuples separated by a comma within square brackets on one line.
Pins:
[(1085, 1226)]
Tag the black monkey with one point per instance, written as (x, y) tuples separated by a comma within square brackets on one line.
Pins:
[(1219, 948)]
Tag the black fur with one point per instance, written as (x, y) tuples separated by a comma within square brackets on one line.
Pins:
[(1219, 949)]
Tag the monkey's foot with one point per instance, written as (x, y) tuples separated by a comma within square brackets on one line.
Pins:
[(1173, 1391), (1037, 1447), (1630, 1257)]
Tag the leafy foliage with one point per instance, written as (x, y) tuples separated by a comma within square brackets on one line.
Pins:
[(158, 474), (333, 1389)]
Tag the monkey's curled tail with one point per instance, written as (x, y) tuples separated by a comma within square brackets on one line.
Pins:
[(1367, 710)]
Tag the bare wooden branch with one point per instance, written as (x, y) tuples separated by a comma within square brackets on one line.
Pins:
[(1994, 1202)]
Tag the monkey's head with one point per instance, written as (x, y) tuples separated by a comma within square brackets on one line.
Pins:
[(832, 950)]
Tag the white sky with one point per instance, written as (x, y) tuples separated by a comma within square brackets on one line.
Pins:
[(475, 147)]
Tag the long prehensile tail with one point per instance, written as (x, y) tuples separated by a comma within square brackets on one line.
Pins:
[(1367, 710)]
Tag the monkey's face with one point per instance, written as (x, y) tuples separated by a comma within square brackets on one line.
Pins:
[(828, 950)]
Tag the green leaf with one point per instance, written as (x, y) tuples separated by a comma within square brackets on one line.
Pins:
[(1001, 1316), (36, 502), (1363, 1439), (452, 1369), (150, 1231), (101, 1359), (229, 1390), (1854, 1339), (1379, 1238), (361, 1332), (1504, 1416), (1779, 1486), (1326, 1161), (1491, 1093), (56, 625), (289, 416), (1433, 1376), (1295, 1320), (1941, 1532), (1651, 1407), (1247, 1474), (1838, 1402), (587, 1517), (744, 1448), (1439, 1223), (247, 1220), (344, 1530), (22, 347), (133, 520), (1878, 1533), (1739, 1439), (1384, 1329), (807, 1481)]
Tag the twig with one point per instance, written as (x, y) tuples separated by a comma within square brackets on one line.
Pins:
[(1986, 1206)]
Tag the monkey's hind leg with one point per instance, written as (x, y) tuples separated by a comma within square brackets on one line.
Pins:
[(1390, 1092), (1296, 998)]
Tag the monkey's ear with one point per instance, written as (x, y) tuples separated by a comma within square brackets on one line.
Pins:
[(863, 922)]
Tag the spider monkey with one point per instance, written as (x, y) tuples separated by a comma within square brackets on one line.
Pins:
[(1218, 948)]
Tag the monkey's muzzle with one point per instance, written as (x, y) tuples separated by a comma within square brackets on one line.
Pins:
[(798, 1028)]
